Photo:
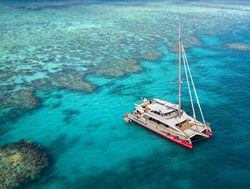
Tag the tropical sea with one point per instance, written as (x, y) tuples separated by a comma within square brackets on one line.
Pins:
[(69, 70)]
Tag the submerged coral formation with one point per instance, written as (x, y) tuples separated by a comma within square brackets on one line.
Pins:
[(239, 46), (152, 55), (69, 114), (21, 99), (188, 41), (119, 68), (20, 163), (72, 80)]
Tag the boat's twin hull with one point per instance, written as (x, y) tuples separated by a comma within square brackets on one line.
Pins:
[(164, 134)]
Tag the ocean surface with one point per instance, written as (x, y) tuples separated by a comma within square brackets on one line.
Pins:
[(84, 64)]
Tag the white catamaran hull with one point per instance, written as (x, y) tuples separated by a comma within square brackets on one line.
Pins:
[(166, 134)]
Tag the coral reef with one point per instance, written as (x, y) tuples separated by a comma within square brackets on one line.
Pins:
[(119, 68), (21, 99), (189, 41), (41, 84), (93, 39), (152, 55), (69, 114), (21, 163), (71, 80), (239, 46)]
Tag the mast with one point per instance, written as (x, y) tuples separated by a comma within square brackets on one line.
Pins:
[(179, 71)]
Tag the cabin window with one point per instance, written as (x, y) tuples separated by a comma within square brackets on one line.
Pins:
[(158, 113)]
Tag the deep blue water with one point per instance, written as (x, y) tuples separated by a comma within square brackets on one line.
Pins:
[(91, 147)]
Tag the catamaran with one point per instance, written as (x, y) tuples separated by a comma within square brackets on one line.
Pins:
[(169, 120)]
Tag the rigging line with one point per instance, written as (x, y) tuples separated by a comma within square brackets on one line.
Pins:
[(191, 78), (188, 84), (189, 90)]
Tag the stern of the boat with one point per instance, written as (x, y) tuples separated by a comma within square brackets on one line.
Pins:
[(126, 119), (208, 132)]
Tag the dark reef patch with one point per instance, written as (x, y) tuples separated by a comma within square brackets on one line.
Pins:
[(71, 80), (152, 55), (55, 105), (10, 115), (21, 99), (69, 115), (16, 104), (61, 144), (41, 84), (20, 163), (117, 68), (3, 129), (125, 89)]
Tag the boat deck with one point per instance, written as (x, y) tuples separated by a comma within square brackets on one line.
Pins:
[(189, 129), (185, 126), (164, 128)]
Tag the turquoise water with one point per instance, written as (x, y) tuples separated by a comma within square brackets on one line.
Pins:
[(83, 130)]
